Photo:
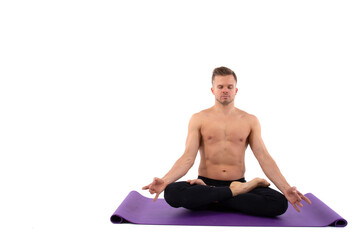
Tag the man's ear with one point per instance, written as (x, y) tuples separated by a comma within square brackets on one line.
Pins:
[(212, 90), (236, 91)]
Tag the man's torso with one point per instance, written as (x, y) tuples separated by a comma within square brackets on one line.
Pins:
[(224, 140)]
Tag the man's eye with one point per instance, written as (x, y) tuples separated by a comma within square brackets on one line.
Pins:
[(220, 87)]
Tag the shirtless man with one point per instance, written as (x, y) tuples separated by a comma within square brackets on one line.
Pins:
[(222, 134)]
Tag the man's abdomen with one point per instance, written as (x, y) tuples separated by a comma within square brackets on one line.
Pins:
[(222, 171)]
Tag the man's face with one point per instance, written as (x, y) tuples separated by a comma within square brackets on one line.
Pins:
[(224, 89)]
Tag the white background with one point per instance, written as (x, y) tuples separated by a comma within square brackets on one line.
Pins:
[(95, 98)]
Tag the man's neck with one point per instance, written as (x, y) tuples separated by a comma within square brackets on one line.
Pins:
[(224, 109)]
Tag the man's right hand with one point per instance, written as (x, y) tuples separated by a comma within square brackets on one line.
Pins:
[(157, 186)]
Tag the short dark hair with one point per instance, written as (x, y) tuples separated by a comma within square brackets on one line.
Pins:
[(222, 71)]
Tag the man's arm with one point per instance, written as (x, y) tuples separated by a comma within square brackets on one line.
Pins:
[(184, 163), (270, 167), (266, 162)]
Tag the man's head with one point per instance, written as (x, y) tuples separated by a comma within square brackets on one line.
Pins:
[(224, 85), (223, 71)]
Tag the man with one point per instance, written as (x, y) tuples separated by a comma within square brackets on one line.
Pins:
[(222, 134)]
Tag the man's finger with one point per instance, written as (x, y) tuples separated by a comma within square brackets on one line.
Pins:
[(200, 182), (297, 195), (306, 199), (296, 207), (299, 204), (193, 181), (146, 187), (303, 197), (156, 197)]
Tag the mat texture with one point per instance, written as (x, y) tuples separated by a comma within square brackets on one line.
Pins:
[(142, 210)]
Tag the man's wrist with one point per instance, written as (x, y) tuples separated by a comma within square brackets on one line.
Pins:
[(166, 180), (285, 189)]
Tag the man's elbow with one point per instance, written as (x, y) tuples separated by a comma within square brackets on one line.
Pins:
[(260, 156), (188, 157), (264, 158), (267, 163), (189, 161)]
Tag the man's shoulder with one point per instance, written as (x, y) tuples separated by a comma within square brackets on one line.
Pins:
[(196, 118), (245, 114), (209, 111), (199, 117), (202, 113), (206, 113), (250, 118)]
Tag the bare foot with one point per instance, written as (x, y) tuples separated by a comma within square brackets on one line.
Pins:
[(239, 187), (262, 182)]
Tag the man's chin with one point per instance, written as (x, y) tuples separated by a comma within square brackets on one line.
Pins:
[(225, 102)]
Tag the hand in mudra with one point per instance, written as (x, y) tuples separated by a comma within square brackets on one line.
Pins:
[(157, 186), (196, 181), (295, 197)]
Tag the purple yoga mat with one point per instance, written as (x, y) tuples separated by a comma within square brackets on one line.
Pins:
[(142, 210)]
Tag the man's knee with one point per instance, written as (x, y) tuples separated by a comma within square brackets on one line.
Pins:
[(279, 206), (178, 195), (172, 194)]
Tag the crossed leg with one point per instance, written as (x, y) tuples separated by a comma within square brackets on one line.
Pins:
[(261, 201), (253, 197)]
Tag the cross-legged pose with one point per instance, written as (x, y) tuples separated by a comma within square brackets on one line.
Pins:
[(222, 134)]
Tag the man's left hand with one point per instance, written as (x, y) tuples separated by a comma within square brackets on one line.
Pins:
[(196, 181), (295, 197)]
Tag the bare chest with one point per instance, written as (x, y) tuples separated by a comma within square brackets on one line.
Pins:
[(221, 130)]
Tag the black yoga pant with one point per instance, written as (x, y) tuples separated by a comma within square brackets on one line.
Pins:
[(216, 195)]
